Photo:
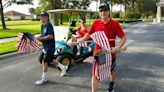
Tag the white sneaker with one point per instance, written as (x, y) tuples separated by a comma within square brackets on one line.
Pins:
[(41, 81), (63, 72)]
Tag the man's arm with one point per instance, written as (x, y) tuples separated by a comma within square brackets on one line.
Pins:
[(50, 34), (86, 36), (122, 42), (43, 38), (120, 34)]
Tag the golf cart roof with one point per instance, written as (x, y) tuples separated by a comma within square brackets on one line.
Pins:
[(77, 11)]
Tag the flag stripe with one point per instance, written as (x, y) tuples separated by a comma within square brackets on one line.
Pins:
[(26, 45), (105, 44), (89, 59), (101, 39), (84, 44)]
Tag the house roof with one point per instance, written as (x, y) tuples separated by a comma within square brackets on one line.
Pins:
[(14, 13)]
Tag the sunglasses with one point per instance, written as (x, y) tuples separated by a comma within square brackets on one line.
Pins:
[(83, 22)]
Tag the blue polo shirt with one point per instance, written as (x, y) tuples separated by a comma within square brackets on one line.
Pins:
[(48, 45)]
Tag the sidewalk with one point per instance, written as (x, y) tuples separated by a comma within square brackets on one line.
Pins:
[(8, 39), (11, 39)]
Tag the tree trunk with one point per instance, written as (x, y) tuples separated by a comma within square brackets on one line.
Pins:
[(101, 1), (133, 7), (111, 8), (54, 6), (125, 8), (61, 19), (2, 15), (56, 20)]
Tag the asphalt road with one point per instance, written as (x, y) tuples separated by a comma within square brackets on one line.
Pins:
[(139, 69)]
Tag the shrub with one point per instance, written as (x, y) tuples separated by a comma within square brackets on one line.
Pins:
[(133, 15), (128, 21), (115, 14), (8, 19), (35, 19), (23, 17)]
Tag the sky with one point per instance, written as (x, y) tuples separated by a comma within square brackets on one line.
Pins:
[(24, 8)]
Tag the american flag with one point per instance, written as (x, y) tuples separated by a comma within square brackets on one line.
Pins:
[(84, 44), (27, 43), (90, 59), (102, 71)]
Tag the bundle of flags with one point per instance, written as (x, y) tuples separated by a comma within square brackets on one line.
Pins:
[(103, 71), (27, 43)]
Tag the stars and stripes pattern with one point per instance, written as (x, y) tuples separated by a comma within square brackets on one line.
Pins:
[(84, 44), (101, 71), (27, 43), (90, 59)]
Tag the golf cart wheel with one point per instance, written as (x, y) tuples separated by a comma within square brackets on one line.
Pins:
[(64, 60)]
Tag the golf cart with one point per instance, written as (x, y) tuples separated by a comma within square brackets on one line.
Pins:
[(64, 53)]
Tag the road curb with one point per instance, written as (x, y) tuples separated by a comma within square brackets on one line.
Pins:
[(2, 57), (9, 55)]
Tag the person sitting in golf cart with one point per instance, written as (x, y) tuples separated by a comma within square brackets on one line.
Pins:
[(81, 31)]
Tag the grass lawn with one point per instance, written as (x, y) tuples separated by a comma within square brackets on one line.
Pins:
[(20, 22), (13, 31), (14, 27), (8, 47)]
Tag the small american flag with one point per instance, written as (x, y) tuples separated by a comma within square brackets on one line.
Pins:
[(27, 43), (84, 44), (102, 71), (90, 59)]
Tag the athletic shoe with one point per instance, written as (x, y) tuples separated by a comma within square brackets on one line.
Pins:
[(111, 87), (63, 72), (41, 81)]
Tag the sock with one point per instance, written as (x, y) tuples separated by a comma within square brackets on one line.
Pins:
[(111, 86), (44, 75), (111, 82), (78, 50), (60, 66)]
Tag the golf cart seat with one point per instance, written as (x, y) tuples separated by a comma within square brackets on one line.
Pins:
[(61, 33)]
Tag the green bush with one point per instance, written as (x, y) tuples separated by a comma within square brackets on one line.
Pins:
[(115, 14), (133, 15), (95, 16), (129, 21), (8, 19), (126, 20), (35, 19), (23, 17)]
